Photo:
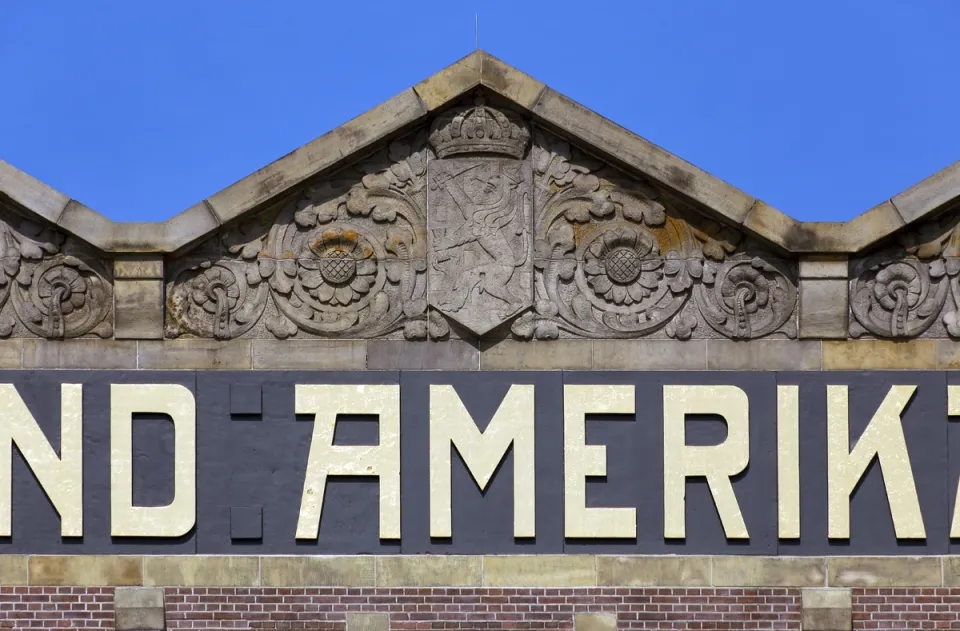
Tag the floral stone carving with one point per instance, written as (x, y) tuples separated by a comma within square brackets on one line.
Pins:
[(344, 258), (57, 289), (616, 259)]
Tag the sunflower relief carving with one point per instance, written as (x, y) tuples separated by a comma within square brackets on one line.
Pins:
[(344, 258), (614, 258), (57, 289)]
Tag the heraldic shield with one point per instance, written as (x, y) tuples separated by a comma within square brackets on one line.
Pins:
[(480, 218)]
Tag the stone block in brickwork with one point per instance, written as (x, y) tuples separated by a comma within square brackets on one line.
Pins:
[(827, 610), (428, 571), (86, 571), (653, 571), (747, 571), (209, 571), (539, 571), (884, 572), (139, 609), (327, 571), (595, 622), (368, 622)]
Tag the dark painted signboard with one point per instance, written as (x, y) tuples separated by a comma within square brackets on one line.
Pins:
[(479, 462)]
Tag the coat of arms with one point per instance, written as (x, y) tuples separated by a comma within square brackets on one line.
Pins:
[(480, 218)]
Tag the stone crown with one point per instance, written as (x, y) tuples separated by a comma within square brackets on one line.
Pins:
[(478, 129)]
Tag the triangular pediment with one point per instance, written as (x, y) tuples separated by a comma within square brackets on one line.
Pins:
[(479, 202)]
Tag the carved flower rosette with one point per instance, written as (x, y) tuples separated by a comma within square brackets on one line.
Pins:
[(614, 259), (343, 259), (54, 294)]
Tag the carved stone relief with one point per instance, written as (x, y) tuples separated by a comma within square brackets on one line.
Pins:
[(910, 288), (50, 285), (485, 220)]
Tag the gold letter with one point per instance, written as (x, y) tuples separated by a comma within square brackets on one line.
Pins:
[(178, 517), (581, 460), (512, 424), (326, 459), (788, 461), (953, 409), (882, 438), (718, 463), (60, 478)]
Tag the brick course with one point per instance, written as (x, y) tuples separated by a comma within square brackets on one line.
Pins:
[(483, 609), (25, 608), (913, 609)]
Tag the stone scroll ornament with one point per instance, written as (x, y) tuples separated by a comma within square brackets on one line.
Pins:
[(900, 292), (345, 258), (55, 294), (615, 260)]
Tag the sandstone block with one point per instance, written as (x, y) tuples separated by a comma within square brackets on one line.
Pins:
[(368, 622), (309, 354), (79, 353), (883, 572), (540, 355), (509, 82), (819, 266), (428, 571), (649, 355), (763, 355), (138, 267), (355, 571), (11, 353), (827, 610), (539, 571), (195, 354), (449, 83), (935, 191), (208, 571), (756, 571), (31, 193), (653, 571), (426, 355), (85, 571), (13, 569), (138, 309), (594, 622), (879, 355), (139, 609), (824, 308)]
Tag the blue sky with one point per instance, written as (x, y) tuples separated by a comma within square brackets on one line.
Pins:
[(140, 109)]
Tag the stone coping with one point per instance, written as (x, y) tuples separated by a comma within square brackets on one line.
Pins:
[(372, 128), (643, 354), (481, 571)]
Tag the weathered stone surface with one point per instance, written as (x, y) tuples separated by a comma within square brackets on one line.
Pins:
[(429, 571), (823, 308), (747, 571), (649, 355), (210, 571), (824, 267), (539, 571), (594, 622), (509, 82), (921, 199), (83, 353), (827, 609), (355, 571), (13, 569), (11, 353), (309, 354), (85, 571), (865, 229), (189, 354), (554, 355), (948, 355), (139, 609), (368, 622), (451, 82), (771, 224), (653, 571), (138, 310), (879, 355), (426, 355), (138, 267), (763, 355), (883, 572), (31, 193)]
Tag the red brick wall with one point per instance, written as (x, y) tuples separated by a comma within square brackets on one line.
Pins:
[(25, 608), (914, 609), (483, 609)]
